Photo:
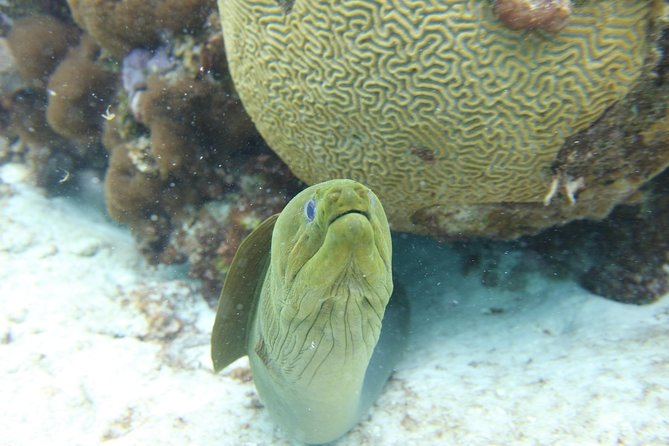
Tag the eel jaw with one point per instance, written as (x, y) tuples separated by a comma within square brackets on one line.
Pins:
[(350, 211)]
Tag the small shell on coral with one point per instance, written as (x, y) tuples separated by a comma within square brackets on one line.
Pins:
[(548, 15)]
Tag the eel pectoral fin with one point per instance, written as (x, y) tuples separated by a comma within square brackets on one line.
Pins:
[(238, 301)]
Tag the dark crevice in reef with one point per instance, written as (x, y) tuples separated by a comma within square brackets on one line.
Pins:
[(632, 250), (286, 5), (663, 65), (622, 257)]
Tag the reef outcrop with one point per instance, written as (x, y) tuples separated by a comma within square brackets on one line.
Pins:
[(120, 26), (493, 119), (462, 125), (139, 97)]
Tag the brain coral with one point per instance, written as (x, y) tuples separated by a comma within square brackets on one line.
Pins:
[(433, 104)]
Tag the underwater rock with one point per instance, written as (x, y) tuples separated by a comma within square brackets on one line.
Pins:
[(120, 26), (624, 257), (463, 126), (632, 262)]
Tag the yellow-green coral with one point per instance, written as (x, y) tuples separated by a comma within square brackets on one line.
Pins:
[(431, 103)]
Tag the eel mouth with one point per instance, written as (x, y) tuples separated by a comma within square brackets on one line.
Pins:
[(350, 211)]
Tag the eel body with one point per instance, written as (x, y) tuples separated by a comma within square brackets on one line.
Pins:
[(305, 298)]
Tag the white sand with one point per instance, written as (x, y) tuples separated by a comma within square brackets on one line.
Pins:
[(97, 347)]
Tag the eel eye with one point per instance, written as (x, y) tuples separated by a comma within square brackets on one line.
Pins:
[(310, 209)]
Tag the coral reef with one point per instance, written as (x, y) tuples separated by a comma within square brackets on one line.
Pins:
[(33, 141), (15, 9), (548, 15), (595, 169), (27, 118), (188, 173), (80, 91), (183, 132), (142, 97), (120, 26), (174, 111), (624, 257), (10, 78), (632, 262), (137, 65), (38, 44), (463, 126), (131, 194), (208, 239)]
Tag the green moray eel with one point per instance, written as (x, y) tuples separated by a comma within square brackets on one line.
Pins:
[(305, 298)]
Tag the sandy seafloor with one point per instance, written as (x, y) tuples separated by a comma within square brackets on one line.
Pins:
[(96, 347)]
